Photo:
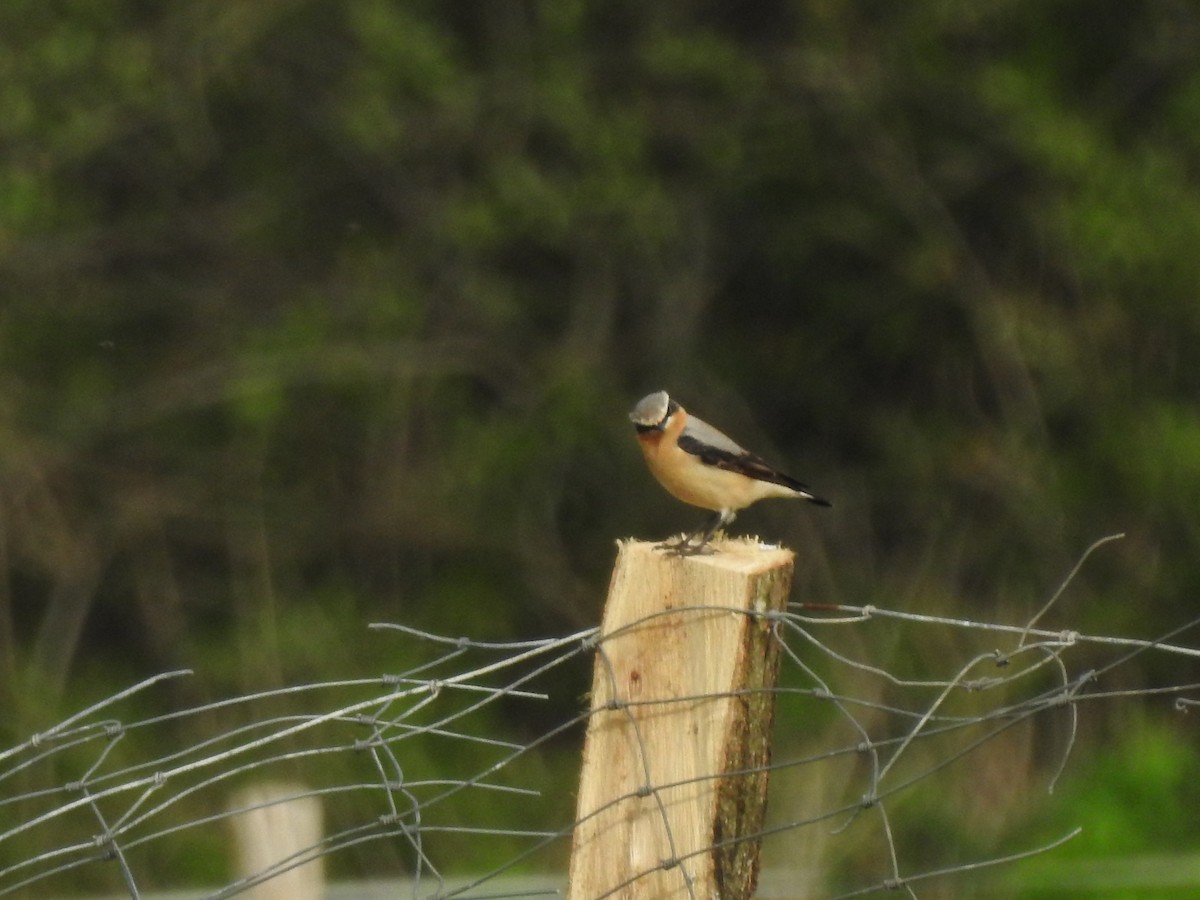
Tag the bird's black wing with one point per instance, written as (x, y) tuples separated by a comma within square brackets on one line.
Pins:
[(744, 463)]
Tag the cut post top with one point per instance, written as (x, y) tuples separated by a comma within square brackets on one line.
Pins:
[(747, 555)]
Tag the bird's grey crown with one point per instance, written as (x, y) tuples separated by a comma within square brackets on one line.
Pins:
[(651, 410)]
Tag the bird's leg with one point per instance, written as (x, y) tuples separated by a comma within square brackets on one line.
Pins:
[(715, 524)]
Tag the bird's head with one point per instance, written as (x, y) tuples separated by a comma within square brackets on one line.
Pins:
[(653, 412)]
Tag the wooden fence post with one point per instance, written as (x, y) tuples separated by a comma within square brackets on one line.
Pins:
[(279, 822), (674, 778)]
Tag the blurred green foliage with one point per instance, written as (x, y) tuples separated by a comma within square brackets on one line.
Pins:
[(313, 314), (1134, 802)]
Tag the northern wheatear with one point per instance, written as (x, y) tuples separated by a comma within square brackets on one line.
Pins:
[(703, 467)]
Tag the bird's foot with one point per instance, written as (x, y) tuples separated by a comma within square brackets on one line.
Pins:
[(686, 545)]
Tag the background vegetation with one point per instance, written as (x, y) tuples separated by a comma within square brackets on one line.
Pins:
[(314, 314)]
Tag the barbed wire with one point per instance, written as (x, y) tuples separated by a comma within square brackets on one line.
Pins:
[(112, 811)]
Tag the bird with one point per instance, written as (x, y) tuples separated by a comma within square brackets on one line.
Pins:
[(703, 467)]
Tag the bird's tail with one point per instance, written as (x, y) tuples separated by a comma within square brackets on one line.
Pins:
[(813, 498)]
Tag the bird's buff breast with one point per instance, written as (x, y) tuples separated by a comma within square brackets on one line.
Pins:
[(695, 483)]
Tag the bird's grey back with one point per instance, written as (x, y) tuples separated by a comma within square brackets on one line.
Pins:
[(706, 434)]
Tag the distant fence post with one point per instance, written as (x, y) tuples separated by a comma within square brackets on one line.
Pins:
[(674, 780), (278, 825)]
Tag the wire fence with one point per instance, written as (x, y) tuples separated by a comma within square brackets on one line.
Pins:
[(73, 802)]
